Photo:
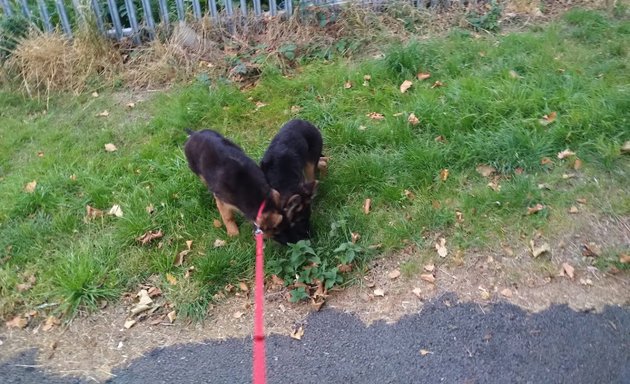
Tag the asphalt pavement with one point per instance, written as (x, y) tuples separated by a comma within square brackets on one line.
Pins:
[(461, 343)]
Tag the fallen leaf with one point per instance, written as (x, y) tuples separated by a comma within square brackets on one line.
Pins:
[(23, 287), (51, 321), (625, 148), (129, 323), (624, 259), (295, 109), (92, 213), (17, 322), (418, 292), (485, 170), (506, 293), (459, 216), (40, 154), (297, 333), (130, 105), (154, 292), (379, 292), (537, 251), (243, 287), (149, 236), (413, 120), (394, 274), (375, 116), (109, 147), (30, 187), (440, 247), (344, 268), (94, 94), (437, 84), (428, 277), (423, 76), (228, 288), (548, 119), (514, 75), (171, 279), (116, 211), (405, 86), (73, 177), (150, 209), (573, 209), (444, 174), (179, 259), (260, 104), (105, 113), (355, 236), (347, 85), (485, 295), (362, 128), (536, 208), (440, 139), (568, 176), (566, 153), (367, 205), (581, 200), (217, 224), (590, 250), (518, 170), (495, 186), (546, 161), (577, 165), (424, 352), (317, 304), (237, 315), (568, 270), (409, 194), (429, 267), (219, 243), (587, 282)]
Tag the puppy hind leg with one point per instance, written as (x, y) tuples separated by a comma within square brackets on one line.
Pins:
[(227, 215), (309, 172), (322, 166)]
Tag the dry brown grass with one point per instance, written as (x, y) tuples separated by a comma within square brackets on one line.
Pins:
[(46, 63)]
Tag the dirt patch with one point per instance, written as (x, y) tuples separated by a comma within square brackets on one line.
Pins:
[(90, 347)]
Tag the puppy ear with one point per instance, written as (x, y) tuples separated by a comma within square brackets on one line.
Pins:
[(293, 206), (275, 197)]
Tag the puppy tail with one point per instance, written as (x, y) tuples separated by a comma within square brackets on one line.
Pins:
[(189, 131)]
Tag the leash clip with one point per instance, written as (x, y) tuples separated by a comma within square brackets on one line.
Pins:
[(258, 231)]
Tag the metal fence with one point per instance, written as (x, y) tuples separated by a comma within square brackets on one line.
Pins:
[(133, 18)]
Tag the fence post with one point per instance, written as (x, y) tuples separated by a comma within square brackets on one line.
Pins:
[(25, 10), (113, 12), (133, 20), (63, 16), (212, 4), (164, 13), (257, 8), (148, 17), (196, 9), (99, 16), (7, 8), (288, 8), (43, 12), (273, 7), (181, 14), (244, 8)]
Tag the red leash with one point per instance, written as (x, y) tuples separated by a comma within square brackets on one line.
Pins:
[(259, 302)]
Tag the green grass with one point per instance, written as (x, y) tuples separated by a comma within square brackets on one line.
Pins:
[(577, 67)]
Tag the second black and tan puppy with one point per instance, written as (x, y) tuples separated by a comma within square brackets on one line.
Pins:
[(289, 165), (235, 180)]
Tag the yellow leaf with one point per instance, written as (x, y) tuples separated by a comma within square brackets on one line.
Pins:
[(444, 174), (171, 279), (412, 119), (405, 86), (423, 76), (30, 187)]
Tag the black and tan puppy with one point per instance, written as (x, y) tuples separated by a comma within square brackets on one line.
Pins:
[(235, 180), (289, 165)]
